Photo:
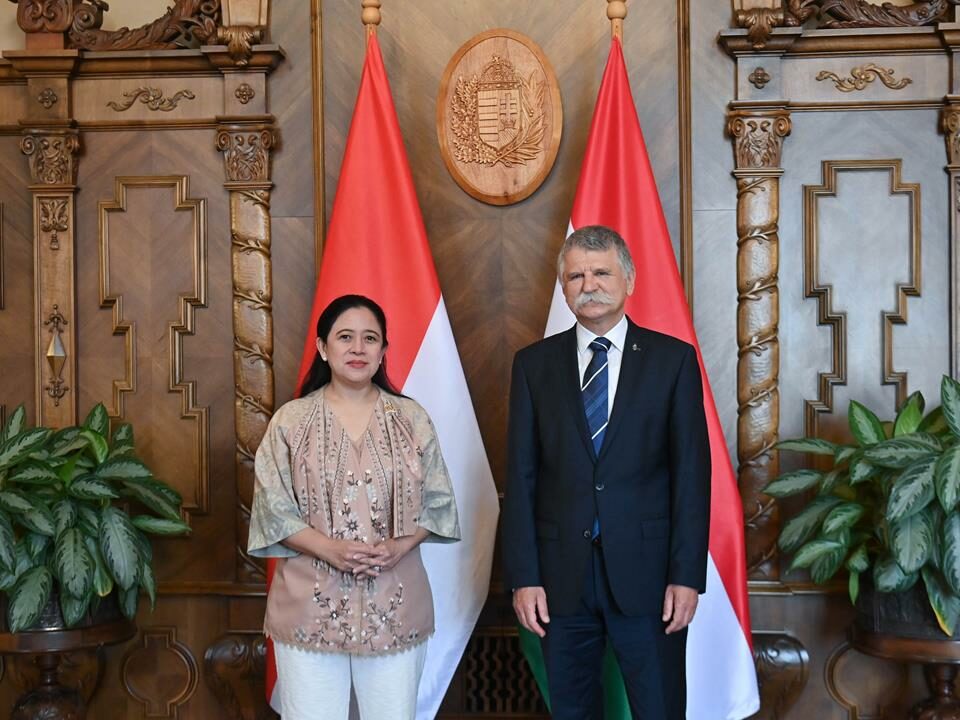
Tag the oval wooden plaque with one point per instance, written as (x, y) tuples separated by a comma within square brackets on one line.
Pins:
[(499, 117)]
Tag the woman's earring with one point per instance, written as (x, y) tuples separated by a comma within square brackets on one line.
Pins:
[(323, 357)]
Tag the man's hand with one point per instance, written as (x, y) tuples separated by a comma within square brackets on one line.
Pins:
[(528, 603), (679, 605)]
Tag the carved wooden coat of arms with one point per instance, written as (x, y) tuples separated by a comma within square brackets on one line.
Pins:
[(499, 117)]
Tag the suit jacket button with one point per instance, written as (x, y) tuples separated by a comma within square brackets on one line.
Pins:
[(598, 487), (587, 534)]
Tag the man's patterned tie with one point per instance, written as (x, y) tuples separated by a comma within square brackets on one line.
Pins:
[(595, 400)]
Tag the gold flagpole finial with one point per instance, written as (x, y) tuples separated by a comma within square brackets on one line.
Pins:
[(370, 15), (616, 12)]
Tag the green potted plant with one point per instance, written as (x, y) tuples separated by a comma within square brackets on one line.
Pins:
[(886, 508), (76, 508)]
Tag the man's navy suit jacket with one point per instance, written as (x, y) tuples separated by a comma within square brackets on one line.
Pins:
[(649, 486)]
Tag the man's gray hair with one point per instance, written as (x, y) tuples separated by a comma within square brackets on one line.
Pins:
[(598, 238)]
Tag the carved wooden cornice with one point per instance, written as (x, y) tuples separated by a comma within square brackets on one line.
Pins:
[(758, 137), (52, 155), (246, 144)]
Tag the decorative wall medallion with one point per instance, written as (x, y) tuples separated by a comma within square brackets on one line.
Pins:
[(862, 76), (499, 117), (56, 355), (245, 93), (47, 97), (53, 219), (759, 78), (151, 97)]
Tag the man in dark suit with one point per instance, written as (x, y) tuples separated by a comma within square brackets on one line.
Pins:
[(606, 516)]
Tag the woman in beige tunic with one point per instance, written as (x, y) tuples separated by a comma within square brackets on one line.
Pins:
[(349, 482)]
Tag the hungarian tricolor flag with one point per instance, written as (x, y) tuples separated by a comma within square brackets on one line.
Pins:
[(377, 246), (617, 189)]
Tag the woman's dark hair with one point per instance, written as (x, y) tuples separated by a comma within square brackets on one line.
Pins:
[(319, 374)]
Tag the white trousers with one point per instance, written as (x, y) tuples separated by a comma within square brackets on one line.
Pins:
[(316, 686)]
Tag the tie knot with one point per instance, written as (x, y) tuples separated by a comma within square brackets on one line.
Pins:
[(600, 344)]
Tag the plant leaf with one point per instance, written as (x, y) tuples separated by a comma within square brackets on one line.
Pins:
[(946, 477), (20, 446), (913, 490), (102, 581), (149, 584), (861, 470), (74, 565), (40, 520), (160, 526), (64, 514), (864, 425), (889, 577), (946, 605), (97, 444), (792, 483), (73, 609), (14, 424), (97, 420), (123, 468), (853, 586), (36, 544), (28, 598), (949, 401), (152, 497), (842, 516), (122, 441), (796, 531), (950, 537), (815, 446), (899, 452), (831, 479), (7, 543), (15, 501), (90, 487), (827, 565), (845, 452), (88, 520), (118, 545), (910, 415), (34, 473), (812, 551), (911, 539), (128, 601), (858, 561), (934, 423)]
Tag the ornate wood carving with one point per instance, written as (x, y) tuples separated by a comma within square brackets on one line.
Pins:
[(47, 97), (52, 156), (235, 667), (814, 288), (48, 16), (246, 146), (783, 666), (160, 672), (56, 356), (244, 93), (239, 41), (862, 76), (184, 325), (151, 97), (499, 117), (54, 218), (759, 23), (758, 138), (188, 23), (82, 670)]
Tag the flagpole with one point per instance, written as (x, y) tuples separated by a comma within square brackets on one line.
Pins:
[(370, 15), (616, 12)]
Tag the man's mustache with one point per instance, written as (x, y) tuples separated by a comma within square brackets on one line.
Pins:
[(597, 296)]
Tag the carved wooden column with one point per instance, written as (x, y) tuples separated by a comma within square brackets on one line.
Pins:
[(50, 142), (950, 124), (246, 144), (758, 134)]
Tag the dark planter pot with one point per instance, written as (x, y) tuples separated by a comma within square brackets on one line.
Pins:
[(106, 611), (907, 614)]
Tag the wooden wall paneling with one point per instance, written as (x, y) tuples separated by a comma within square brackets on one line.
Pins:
[(160, 267), (950, 126), (16, 279)]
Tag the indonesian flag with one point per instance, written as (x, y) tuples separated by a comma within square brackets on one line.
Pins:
[(377, 246), (617, 189)]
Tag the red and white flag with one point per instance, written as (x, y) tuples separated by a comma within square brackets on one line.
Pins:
[(617, 189), (377, 246)]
